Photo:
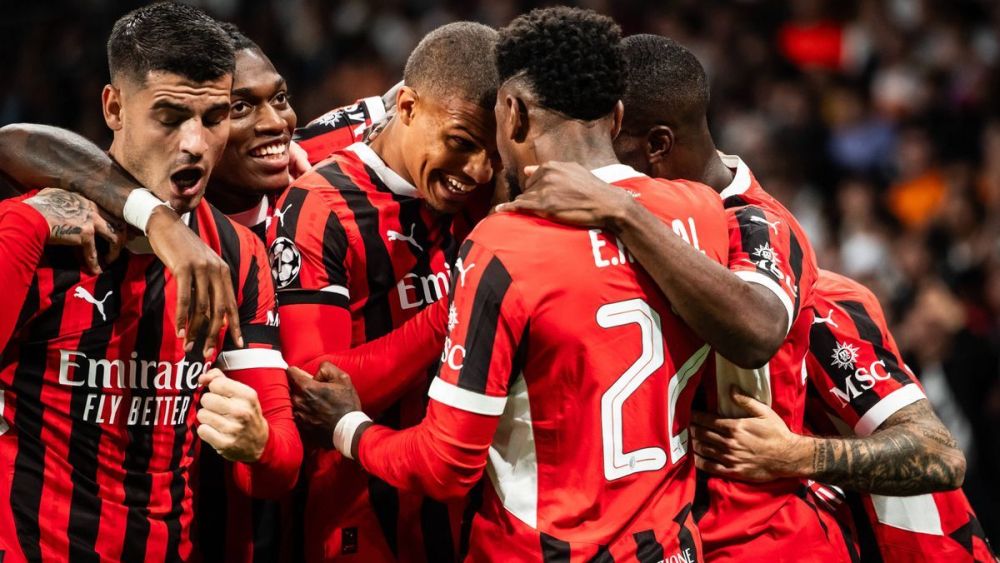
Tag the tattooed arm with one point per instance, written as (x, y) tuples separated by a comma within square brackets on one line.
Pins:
[(75, 221), (40, 156), (910, 453)]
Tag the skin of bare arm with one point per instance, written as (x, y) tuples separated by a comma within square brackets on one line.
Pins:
[(910, 453), (720, 307), (41, 156)]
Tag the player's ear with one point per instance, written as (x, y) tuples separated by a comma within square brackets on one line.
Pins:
[(111, 103), (659, 143), (517, 118), (616, 119), (406, 100)]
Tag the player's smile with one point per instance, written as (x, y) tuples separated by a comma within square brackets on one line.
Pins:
[(271, 156)]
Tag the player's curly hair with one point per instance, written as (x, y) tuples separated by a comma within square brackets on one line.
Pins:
[(239, 39), (664, 83), (571, 57), (169, 37)]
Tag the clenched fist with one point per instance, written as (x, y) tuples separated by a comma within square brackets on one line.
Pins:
[(230, 419)]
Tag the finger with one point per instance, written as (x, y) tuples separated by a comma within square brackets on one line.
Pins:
[(183, 304), (219, 422), (219, 310), (216, 403), (228, 388), (298, 377), (529, 170), (711, 466), (201, 308), (329, 372), (708, 436), (752, 406), (213, 437), (707, 450), (706, 420), (90, 253), (232, 310), (206, 378)]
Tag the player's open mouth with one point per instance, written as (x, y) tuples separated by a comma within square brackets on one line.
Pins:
[(272, 155), (186, 182)]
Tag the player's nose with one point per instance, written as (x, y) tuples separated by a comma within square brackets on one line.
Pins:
[(479, 167), (194, 138)]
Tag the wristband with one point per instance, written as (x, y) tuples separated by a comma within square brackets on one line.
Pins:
[(139, 207), (343, 433)]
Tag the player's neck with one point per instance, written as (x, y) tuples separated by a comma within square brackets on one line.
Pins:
[(388, 146), (573, 141), (702, 163), (229, 199)]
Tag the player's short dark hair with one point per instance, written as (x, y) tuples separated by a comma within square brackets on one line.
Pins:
[(456, 59), (664, 83), (169, 37), (571, 57), (240, 41)]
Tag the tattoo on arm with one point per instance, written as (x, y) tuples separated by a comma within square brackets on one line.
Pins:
[(911, 453)]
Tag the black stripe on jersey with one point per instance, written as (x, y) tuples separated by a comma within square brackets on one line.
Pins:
[(754, 235), (822, 343), (482, 330), (685, 539), (520, 355), (313, 297), (31, 303), (870, 333), (380, 275), (795, 261), (29, 463), (85, 437), (265, 519), (138, 482), (229, 245), (384, 500), (211, 511), (436, 529), (647, 549), (702, 496), (261, 334), (806, 496), (340, 119), (734, 201), (554, 550), (335, 250), (602, 556), (468, 515), (870, 552)]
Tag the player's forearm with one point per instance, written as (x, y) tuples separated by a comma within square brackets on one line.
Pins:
[(40, 156), (910, 456), (742, 321), (310, 331)]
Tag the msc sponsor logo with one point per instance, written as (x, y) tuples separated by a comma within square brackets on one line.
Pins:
[(863, 379), (844, 355), (453, 355)]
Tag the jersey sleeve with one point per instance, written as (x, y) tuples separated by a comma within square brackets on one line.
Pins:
[(23, 232), (445, 454), (310, 262), (855, 366), (764, 250), (339, 128)]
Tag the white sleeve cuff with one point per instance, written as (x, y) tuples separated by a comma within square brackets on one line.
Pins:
[(888, 406), (761, 279), (249, 358), (139, 206), (454, 396), (343, 433)]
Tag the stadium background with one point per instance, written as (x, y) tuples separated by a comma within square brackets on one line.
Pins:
[(876, 122)]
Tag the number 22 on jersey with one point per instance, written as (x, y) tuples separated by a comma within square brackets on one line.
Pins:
[(617, 462)]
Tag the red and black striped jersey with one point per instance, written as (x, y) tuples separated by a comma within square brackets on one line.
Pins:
[(857, 381), (567, 375), (767, 247), (100, 399), (355, 249), (339, 128)]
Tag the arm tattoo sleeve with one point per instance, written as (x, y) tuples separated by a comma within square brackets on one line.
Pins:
[(911, 453), (40, 156)]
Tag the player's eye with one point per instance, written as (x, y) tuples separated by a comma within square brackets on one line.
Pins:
[(239, 109), (282, 98), (216, 117), (461, 143)]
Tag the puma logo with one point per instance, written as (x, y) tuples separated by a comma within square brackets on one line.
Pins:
[(771, 225), (828, 319), (462, 270), (280, 213), (82, 293), (393, 235)]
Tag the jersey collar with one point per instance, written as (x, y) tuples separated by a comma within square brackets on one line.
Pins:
[(615, 173), (393, 181), (253, 216), (741, 180)]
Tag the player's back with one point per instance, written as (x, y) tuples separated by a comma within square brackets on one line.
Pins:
[(590, 451)]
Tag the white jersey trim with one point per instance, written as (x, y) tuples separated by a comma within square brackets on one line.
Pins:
[(615, 173), (888, 406), (915, 514), (250, 358), (741, 177), (762, 279), (376, 108), (338, 289), (252, 217), (463, 399), (513, 461), (393, 181)]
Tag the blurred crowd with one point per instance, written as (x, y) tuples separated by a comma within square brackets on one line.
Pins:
[(877, 122)]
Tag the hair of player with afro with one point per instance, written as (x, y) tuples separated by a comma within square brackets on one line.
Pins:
[(571, 57), (169, 37), (664, 83), (456, 59), (240, 41)]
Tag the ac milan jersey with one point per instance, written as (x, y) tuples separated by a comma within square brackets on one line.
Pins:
[(352, 235), (339, 128), (857, 381), (100, 399), (767, 247), (565, 352)]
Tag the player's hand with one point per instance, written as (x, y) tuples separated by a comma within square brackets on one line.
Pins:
[(205, 297), (230, 418), (298, 161), (758, 448), (569, 193), (320, 401), (76, 221)]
